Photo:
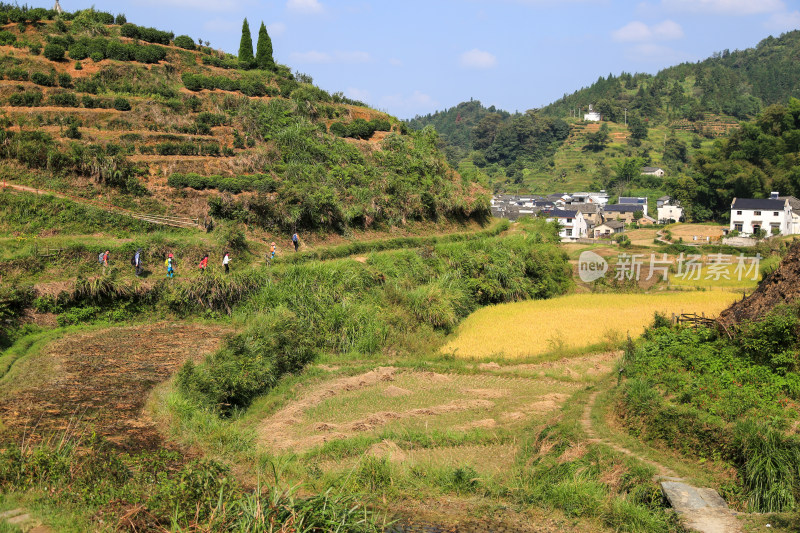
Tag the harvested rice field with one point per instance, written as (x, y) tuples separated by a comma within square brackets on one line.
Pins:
[(577, 321)]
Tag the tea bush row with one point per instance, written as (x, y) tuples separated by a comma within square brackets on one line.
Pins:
[(248, 87), (100, 48), (360, 128), (232, 184), (34, 98)]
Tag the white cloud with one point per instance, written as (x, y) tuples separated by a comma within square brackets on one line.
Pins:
[(276, 29), (783, 21), (725, 7), (221, 25), (305, 6), (477, 59), (639, 31), (395, 62), (337, 56)]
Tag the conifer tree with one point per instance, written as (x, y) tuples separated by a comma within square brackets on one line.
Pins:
[(246, 45), (264, 50)]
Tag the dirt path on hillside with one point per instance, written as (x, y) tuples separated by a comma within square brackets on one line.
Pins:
[(701, 509), (100, 381)]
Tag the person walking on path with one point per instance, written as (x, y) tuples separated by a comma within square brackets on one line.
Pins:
[(170, 266), (225, 260), (137, 261), (105, 261), (296, 241), (203, 263)]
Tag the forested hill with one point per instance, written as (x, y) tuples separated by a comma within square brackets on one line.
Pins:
[(739, 83), (94, 105), (511, 141), (456, 125)]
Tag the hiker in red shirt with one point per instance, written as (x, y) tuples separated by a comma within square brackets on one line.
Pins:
[(203, 263)]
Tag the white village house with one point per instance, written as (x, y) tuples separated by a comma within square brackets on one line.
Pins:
[(572, 223), (653, 171), (592, 115), (608, 228), (669, 210), (773, 215)]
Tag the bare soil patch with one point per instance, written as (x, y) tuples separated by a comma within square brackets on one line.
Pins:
[(782, 286), (101, 382)]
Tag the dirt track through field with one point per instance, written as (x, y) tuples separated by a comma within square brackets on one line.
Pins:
[(101, 381)]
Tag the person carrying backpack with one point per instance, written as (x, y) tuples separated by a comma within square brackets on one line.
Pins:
[(169, 265), (296, 241)]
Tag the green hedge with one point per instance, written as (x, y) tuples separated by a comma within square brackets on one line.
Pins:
[(150, 35), (360, 128), (248, 87)]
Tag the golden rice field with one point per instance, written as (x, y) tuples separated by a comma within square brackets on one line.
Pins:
[(575, 321)]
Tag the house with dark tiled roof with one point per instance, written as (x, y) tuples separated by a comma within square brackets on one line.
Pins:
[(607, 229), (773, 215), (626, 213), (593, 213)]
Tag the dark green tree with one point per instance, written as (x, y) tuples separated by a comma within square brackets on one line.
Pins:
[(246, 45), (264, 58)]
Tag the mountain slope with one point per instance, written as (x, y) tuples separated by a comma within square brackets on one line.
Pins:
[(659, 120), (94, 105)]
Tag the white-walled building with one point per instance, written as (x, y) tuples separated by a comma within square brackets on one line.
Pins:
[(592, 115), (669, 210), (573, 225), (773, 215), (606, 229), (653, 171), (599, 198), (794, 203)]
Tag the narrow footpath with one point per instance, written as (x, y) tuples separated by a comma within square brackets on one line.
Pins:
[(700, 508)]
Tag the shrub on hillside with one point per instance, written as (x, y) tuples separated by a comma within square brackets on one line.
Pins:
[(6, 38), (54, 52), (122, 104), (65, 80), (274, 344), (78, 51), (45, 80), (26, 99), (63, 99), (17, 74), (184, 41)]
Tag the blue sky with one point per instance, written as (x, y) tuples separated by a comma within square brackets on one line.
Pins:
[(410, 57)]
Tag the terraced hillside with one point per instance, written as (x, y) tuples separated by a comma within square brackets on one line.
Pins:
[(97, 106)]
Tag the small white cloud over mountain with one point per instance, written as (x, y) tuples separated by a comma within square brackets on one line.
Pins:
[(477, 59)]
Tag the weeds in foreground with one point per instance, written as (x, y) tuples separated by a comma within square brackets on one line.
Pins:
[(155, 491)]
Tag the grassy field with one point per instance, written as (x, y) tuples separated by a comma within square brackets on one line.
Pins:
[(572, 322)]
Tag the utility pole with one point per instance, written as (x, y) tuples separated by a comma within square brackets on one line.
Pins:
[(626, 116)]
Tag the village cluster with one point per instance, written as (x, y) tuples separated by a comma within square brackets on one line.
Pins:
[(589, 215)]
